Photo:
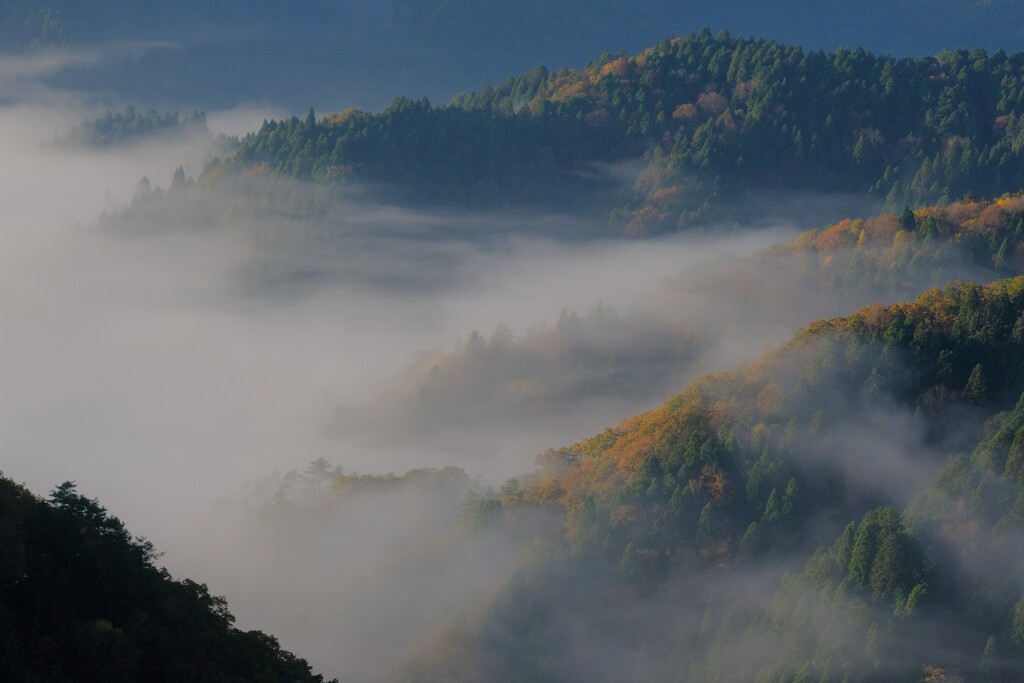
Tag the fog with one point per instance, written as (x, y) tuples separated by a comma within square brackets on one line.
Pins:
[(164, 359), (160, 368)]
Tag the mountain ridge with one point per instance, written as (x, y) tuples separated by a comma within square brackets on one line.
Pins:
[(707, 119)]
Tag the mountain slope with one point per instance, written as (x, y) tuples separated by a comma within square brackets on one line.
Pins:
[(81, 600), (701, 506)]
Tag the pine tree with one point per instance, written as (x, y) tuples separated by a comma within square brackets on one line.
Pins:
[(629, 565), (864, 547), (1000, 259), (1017, 632), (907, 221), (178, 181), (976, 391)]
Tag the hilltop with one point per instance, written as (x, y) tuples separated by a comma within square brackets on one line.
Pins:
[(686, 132)]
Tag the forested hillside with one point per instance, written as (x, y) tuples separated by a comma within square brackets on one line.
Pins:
[(114, 128), (698, 123), (699, 507), (82, 600)]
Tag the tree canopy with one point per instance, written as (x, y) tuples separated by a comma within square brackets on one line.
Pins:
[(81, 599), (705, 119)]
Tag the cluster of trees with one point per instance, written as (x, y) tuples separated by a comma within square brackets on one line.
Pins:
[(719, 457), (601, 354), (322, 483), (450, 154), (743, 468), (113, 128), (930, 594), (81, 600), (33, 24), (708, 117), (889, 257)]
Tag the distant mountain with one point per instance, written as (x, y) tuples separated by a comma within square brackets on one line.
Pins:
[(359, 53), (691, 131), (82, 600)]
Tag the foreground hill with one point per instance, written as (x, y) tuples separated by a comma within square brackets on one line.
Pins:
[(681, 523), (697, 124), (81, 600)]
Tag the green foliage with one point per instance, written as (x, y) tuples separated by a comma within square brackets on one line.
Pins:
[(708, 117), (976, 390), (865, 546), (1017, 633), (479, 512), (321, 483), (729, 442), (118, 128), (80, 599), (734, 473), (596, 354)]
